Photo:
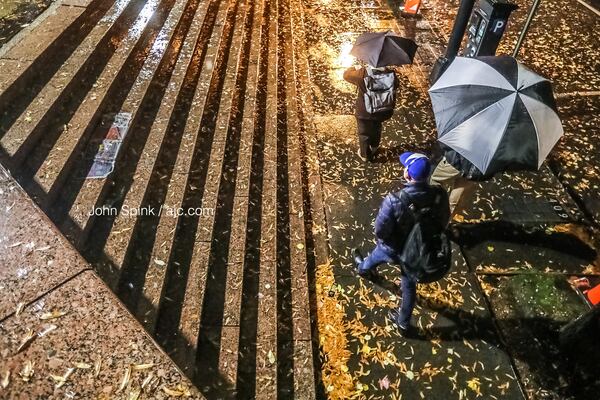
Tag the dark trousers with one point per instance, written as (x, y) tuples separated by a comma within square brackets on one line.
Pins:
[(381, 255), (369, 136)]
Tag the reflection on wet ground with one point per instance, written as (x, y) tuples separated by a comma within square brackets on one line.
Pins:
[(138, 25)]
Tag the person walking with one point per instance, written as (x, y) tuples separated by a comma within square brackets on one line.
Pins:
[(394, 225), (375, 102), (458, 176)]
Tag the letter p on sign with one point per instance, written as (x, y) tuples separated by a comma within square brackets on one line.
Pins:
[(498, 26)]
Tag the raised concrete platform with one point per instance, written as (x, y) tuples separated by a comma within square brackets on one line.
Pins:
[(59, 319)]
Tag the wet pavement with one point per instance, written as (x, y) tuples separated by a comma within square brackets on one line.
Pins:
[(18, 14), (237, 194), (539, 224), (63, 333)]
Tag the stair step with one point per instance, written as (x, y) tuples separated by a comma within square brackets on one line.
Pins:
[(215, 125)]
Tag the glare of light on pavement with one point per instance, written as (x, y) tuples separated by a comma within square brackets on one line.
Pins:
[(143, 18), (345, 59), (115, 11)]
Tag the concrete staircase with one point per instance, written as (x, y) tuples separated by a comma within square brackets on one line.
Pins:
[(218, 115)]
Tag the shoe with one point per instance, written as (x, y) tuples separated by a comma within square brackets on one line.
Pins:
[(361, 157), (369, 274), (358, 257), (405, 331), (374, 150)]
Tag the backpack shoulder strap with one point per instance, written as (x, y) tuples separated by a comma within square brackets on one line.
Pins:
[(407, 201)]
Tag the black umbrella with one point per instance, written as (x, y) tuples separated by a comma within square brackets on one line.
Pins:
[(380, 49), (496, 113)]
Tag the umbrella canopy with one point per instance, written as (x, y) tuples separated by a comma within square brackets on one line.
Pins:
[(496, 113), (381, 49)]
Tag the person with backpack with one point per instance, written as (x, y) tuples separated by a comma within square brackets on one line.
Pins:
[(374, 104), (410, 231)]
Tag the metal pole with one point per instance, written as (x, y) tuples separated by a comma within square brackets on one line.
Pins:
[(458, 31), (532, 12)]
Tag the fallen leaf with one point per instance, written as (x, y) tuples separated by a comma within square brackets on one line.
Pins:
[(27, 371), (52, 315), (172, 392), (384, 383), (474, 385), (97, 367), (125, 379), (20, 308), (178, 391), (26, 340), (61, 380), (271, 357), (5, 380), (139, 367), (150, 383)]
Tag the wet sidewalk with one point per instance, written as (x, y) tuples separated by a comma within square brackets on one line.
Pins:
[(517, 244), (63, 332), (241, 132)]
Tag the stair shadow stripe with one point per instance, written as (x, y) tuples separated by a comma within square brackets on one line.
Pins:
[(246, 369), (15, 99), (285, 330)]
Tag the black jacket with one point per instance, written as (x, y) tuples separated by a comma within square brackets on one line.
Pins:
[(393, 222), (464, 166), (357, 78)]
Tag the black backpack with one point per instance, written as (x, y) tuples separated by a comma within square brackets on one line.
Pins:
[(426, 255)]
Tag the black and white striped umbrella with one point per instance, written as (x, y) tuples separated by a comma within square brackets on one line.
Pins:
[(496, 113)]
